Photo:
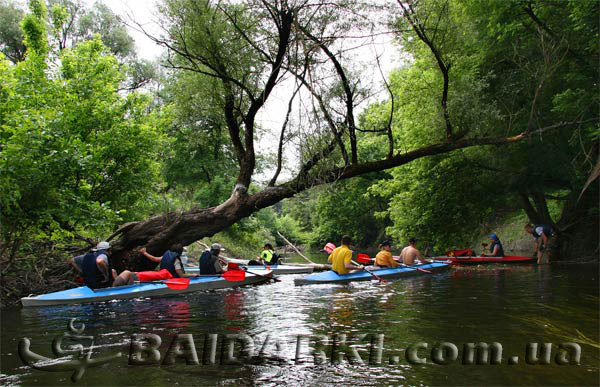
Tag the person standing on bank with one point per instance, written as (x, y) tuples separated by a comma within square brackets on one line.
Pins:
[(543, 232), (210, 263), (496, 249), (341, 258)]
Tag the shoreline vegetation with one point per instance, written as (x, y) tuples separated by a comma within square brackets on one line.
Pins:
[(53, 272), (460, 136)]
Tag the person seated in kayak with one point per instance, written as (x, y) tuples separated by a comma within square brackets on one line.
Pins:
[(210, 263), (543, 232), (410, 255), (96, 269), (341, 258), (170, 261), (496, 249), (384, 257), (268, 256)]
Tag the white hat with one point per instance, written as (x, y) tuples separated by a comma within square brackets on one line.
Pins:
[(103, 245), (216, 246)]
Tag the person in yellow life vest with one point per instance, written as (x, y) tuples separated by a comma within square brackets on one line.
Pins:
[(341, 258), (384, 257), (268, 256)]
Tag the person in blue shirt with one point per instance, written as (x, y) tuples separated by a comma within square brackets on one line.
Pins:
[(496, 249)]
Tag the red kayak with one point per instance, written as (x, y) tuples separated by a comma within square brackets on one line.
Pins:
[(512, 259)]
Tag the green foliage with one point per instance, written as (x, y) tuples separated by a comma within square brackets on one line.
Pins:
[(11, 35), (34, 28), (76, 154)]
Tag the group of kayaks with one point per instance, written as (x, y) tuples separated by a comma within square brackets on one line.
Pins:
[(255, 275)]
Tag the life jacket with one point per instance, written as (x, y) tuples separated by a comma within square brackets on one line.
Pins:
[(207, 263), (92, 276), (267, 255), (546, 230), (168, 262), (500, 252)]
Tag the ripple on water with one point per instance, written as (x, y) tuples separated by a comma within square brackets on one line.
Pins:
[(504, 304)]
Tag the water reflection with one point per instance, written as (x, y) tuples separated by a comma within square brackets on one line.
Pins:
[(509, 304)]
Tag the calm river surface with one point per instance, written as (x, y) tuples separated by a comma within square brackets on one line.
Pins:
[(511, 305)]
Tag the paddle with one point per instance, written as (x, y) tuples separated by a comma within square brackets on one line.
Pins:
[(329, 247), (173, 283), (364, 258), (242, 269)]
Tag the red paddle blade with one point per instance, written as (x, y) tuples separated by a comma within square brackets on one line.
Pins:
[(177, 283), (233, 266), (329, 247), (363, 258), (234, 275)]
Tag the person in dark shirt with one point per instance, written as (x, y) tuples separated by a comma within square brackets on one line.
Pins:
[(210, 263)]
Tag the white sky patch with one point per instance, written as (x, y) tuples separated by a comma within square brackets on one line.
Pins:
[(270, 119)]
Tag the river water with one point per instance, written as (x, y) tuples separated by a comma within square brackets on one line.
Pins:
[(281, 334)]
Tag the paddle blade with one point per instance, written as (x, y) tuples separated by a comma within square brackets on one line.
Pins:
[(363, 258), (233, 266), (234, 275), (329, 247), (177, 283)]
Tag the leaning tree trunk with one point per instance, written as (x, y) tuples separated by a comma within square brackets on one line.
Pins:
[(157, 234), (578, 236)]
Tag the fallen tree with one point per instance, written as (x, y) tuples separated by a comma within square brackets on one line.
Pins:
[(248, 51)]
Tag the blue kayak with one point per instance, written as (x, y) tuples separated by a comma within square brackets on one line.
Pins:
[(277, 269), (145, 289), (331, 277)]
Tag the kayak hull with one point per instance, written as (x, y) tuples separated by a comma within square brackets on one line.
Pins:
[(507, 259), (276, 269), (84, 294), (331, 277)]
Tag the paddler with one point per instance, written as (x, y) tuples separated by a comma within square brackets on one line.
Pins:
[(384, 258), (170, 267), (496, 249), (169, 262), (268, 256), (410, 255), (341, 258), (96, 269), (543, 232), (210, 263)]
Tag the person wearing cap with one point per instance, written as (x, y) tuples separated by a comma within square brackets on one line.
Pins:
[(210, 263), (410, 255), (496, 249), (384, 257), (96, 269), (341, 258), (543, 232)]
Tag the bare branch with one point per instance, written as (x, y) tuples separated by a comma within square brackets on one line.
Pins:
[(419, 27)]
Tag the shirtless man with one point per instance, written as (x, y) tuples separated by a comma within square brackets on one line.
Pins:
[(410, 254)]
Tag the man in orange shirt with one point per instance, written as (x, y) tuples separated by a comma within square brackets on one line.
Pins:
[(384, 257), (341, 258)]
